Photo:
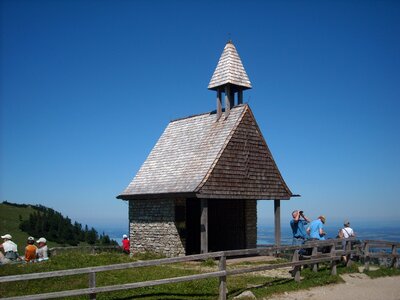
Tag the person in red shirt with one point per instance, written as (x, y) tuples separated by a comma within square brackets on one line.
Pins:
[(125, 244)]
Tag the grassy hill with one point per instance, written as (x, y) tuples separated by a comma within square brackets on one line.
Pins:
[(10, 217)]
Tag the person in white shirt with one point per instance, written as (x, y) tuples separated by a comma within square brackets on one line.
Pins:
[(10, 250), (346, 231), (42, 249)]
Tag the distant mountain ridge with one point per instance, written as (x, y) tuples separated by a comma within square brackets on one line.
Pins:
[(22, 220)]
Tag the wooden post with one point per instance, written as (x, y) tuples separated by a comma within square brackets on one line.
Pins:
[(314, 253), (394, 257), (222, 279), (219, 104), (227, 101), (348, 255), (296, 269), (277, 213), (204, 226), (366, 256), (240, 96), (333, 261), (92, 284)]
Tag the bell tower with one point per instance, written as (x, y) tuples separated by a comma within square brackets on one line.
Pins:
[(229, 78)]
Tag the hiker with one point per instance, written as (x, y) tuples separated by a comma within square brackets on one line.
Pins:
[(30, 250), (125, 244), (316, 229), (298, 225), (346, 231), (41, 252), (10, 250)]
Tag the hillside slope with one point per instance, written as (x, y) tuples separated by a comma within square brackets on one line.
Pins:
[(23, 220), (10, 217)]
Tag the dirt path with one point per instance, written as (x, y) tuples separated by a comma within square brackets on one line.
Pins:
[(356, 286)]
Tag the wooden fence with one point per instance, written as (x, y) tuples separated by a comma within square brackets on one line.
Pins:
[(333, 252)]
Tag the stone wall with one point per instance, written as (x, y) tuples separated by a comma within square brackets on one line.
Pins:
[(153, 229), (251, 223)]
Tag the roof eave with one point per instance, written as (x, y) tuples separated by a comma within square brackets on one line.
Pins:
[(156, 196)]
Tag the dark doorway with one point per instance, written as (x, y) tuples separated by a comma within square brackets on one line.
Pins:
[(192, 226), (226, 224)]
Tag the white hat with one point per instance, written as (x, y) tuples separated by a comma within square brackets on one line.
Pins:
[(31, 238), (41, 240), (6, 236), (124, 236)]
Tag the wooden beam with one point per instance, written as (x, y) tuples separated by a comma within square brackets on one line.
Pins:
[(204, 226), (240, 96), (227, 101), (277, 214), (219, 104)]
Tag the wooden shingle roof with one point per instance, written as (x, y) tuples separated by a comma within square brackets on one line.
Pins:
[(199, 157), (229, 70)]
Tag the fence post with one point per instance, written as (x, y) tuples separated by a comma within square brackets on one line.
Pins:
[(313, 253), (348, 255), (394, 257), (366, 256), (92, 284), (333, 261), (222, 279), (296, 269)]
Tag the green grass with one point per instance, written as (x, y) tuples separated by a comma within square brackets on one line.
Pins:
[(260, 285), (9, 223), (382, 272)]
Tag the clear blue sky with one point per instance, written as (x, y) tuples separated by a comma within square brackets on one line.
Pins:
[(87, 88)]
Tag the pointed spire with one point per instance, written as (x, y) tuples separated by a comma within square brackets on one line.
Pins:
[(229, 70)]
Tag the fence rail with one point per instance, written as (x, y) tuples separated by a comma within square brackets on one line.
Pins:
[(334, 250)]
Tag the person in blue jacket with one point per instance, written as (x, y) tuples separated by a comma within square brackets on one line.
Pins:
[(298, 225)]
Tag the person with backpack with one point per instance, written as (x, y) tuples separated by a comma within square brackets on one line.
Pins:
[(346, 231)]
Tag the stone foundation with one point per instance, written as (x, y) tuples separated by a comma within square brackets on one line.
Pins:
[(153, 229)]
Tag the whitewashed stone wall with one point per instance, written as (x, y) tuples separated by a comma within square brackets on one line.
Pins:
[(251, 223), (152, 227)]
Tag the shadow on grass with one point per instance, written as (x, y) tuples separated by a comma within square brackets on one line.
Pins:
[(275, 283)]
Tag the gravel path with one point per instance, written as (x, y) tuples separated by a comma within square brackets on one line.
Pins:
[(356, 286)]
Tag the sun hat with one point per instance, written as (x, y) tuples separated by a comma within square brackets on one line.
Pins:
[(322, 218), (41, 240), (31, 238), (6, 236), (124, 236), (346, 223)]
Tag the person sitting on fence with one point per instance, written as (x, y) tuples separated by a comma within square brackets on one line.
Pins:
[(30, 250), (125, 244), (298, 225), (316, 229), (10, 250), (41, 252)]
